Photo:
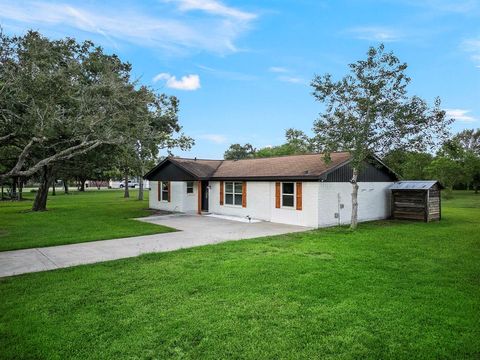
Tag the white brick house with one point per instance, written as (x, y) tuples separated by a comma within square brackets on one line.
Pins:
[(299, 190)]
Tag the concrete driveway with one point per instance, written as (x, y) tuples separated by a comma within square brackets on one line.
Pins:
[(194, 231)]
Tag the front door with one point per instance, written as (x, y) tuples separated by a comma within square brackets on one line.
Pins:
[(204, 195)]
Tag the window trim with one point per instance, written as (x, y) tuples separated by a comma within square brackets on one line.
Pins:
[(294, 195), (192, 187), (162, 191), (233, 193)]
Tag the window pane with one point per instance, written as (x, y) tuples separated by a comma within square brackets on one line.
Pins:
[(287, 188), (165, 195), (287, 200), (238, 187), (189, 187), (164, 185), (228, 187), (229, 199), (238, 199)]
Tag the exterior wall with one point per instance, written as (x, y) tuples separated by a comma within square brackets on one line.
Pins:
[(259, 201), (180, 201), (320, 202), (308, 216), (373, 202), (261, 204)]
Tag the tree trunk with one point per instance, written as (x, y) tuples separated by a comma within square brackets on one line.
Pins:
[(354, 221), (40, 203), (127, 192), (20, 189), (140, 186), (54, 190), (14, 188), (82, 184), (65, 187)]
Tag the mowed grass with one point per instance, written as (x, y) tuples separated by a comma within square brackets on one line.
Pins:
[(74, 218), (391, 290)]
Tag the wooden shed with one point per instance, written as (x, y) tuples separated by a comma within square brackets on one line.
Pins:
[(417, 200)]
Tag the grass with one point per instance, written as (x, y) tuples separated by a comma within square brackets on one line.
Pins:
[(399, 290), (74, 218)]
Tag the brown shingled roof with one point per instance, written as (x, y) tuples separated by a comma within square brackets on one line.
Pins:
[(200, 168), (310, 165), (294, 166)]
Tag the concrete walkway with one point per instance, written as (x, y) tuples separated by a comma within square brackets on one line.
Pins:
[(195, 231)]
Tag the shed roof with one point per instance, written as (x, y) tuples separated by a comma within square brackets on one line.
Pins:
[(414, 185)]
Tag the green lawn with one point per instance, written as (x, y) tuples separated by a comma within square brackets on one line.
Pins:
[(74, 218), (390, 290)]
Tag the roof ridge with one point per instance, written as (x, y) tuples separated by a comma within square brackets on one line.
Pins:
[(258, 158)]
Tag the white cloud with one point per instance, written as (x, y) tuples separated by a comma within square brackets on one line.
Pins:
[(375, 33), (472, 46), (291, 79), (214, 7), (460, 115), (277, 69), (216, 31), (215, 138), (187, 82)]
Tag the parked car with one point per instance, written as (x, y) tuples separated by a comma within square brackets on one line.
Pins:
[(121, 184), (131, 184)]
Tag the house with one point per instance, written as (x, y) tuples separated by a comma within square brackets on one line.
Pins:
[(299, 189)]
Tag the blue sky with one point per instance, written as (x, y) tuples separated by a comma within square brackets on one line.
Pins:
[(241, 69)]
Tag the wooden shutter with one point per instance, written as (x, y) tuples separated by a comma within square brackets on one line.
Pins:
[(299, 196), (199, 197), (244, 194), (221, 193), (159, 190), (277, 195), (169, 190)]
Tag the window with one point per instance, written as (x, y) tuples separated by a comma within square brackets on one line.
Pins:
[(233, 193), (164, 191), (288, 194), (189, 187)]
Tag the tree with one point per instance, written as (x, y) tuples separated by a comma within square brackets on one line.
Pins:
[(446, 170), (368, 112), (238, 152), (61, 99), (469, 139), (297, 142), (410, 165)]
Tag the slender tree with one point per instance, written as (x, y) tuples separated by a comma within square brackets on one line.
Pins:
[(368, 112)]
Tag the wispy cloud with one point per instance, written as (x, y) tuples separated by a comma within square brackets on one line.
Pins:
[(216, 30), (472, 46), (460, 115), (227, 74), (214, 7), (291, 79), (277, 69), (187, 82), (447, 6), (215, 138), (375, 33)]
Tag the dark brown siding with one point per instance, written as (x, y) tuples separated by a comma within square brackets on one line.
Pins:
[(370, 173)]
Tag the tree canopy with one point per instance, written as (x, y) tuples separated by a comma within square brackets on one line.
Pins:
[(369, 112), (60, 99)]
